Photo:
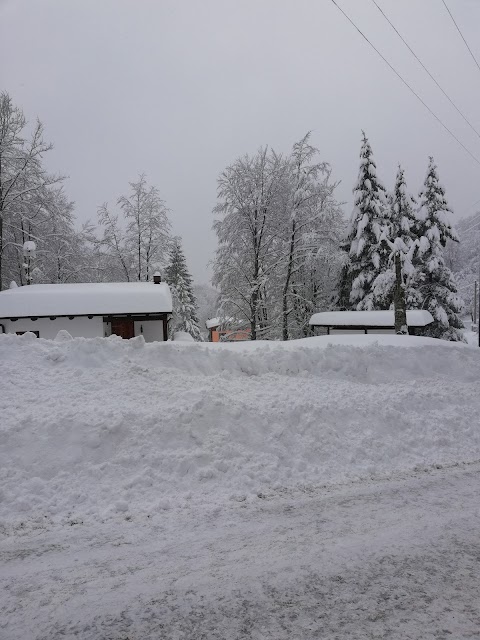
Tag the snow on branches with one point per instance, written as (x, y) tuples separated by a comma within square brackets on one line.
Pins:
[(278, 227), (368, 253), (185, 314), (396, 250), (434, 279)]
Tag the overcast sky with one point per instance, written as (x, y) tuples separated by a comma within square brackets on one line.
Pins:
[(179, 88)]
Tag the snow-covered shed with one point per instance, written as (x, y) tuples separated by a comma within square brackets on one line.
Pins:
[(88, 310), (334, 322), (221, 329)]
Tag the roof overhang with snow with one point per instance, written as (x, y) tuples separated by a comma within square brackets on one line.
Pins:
[(368, 319), (86, 299), (213, 323)]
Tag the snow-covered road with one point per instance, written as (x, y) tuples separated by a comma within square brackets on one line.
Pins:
[(394, 558), (201, 491)]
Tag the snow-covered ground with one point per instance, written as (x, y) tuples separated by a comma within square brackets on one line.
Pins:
[(245, 490), (470, 336)]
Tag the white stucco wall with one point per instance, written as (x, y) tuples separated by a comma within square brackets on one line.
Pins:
[(387, 331), (82, 327), (152, 330), (78, 327), (341, 332)]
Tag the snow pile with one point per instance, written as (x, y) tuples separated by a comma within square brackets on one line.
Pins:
[(101, 427), (182, 336)]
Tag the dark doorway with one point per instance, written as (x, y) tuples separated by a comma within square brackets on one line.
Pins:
[(123, 327)]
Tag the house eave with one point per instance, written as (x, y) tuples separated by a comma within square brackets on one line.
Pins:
[(143, 316), (362, 327)]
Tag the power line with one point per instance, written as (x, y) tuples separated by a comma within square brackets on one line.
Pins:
[(471, 206), (466, 286), (425, 68), (407, 85), (458, 29), (475, 216), (470, 228)]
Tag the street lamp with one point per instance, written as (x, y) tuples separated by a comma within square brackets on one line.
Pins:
[(29, 253)]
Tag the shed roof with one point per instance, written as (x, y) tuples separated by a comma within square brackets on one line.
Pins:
[(415, 318), (98, 299), (211, 323)]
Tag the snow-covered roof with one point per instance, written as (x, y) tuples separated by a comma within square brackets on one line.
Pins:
[(415, 318), (98, 299), (212, 323), (224, 322)]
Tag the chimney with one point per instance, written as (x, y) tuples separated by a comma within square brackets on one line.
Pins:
[(157, 278)]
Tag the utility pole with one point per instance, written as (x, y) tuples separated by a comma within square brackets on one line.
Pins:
[(399, 298), (478, 300), (475, 305)]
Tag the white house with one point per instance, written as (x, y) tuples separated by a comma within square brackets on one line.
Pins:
[(89, 310), (334, 322)]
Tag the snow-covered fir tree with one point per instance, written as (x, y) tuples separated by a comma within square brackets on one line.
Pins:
[(185, 316), (368, 253), (434, 279), (400, 233)]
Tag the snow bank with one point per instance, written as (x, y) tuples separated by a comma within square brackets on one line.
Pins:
[(104, 427), (182, 336)]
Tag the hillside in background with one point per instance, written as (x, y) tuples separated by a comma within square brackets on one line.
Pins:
[(463, 257)]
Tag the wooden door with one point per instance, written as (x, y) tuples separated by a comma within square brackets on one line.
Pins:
[(123, 327)]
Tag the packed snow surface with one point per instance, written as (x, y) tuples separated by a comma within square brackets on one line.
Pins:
[(324, 488), (182, 336), (104, 298), (93, 428), (395, 559)]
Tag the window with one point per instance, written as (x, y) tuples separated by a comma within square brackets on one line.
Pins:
[(20, 333)]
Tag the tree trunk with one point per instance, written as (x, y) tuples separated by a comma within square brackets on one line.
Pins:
[(287, 284), (1, 219), (254, 302), (399, 299), (262, 312), (253, 324), (256, 287), (1, 247)]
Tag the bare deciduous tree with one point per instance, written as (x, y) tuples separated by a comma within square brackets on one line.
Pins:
[(138, 245), (24, 181), (249, 194), (276, 217)]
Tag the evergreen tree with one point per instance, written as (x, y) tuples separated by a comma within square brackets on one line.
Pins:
[(345, 278), (368, 252), (185, 316), (434, 279), (401, 236)]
